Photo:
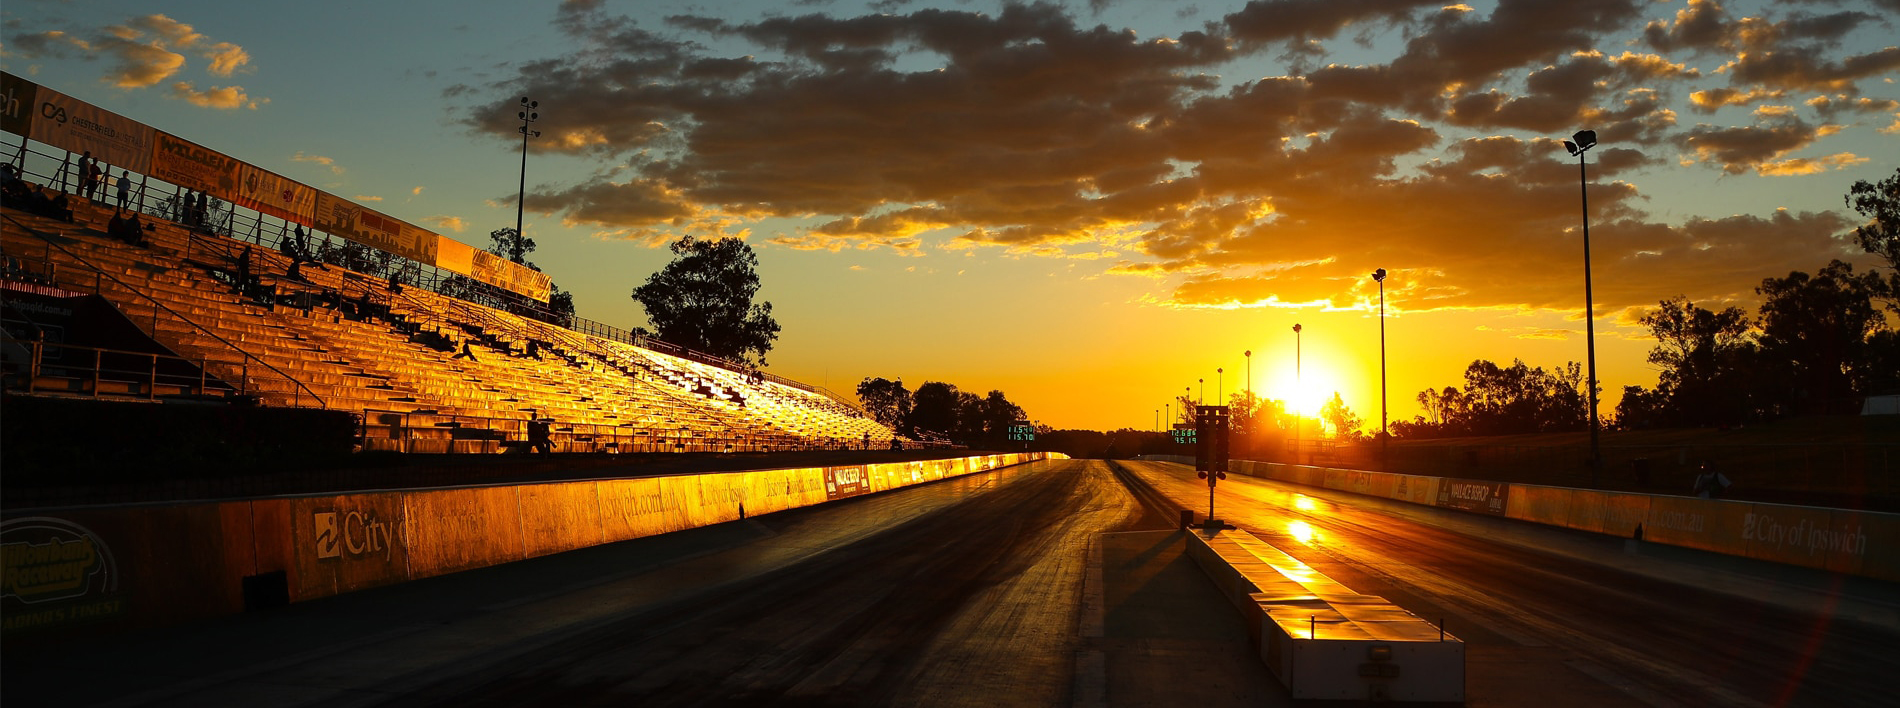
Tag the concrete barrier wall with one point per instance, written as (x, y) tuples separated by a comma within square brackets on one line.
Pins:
[(106, 568), (1855, 542)]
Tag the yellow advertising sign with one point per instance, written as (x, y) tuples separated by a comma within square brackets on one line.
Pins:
[(273, 194), (454, 256), (365, 226), (193, 166), (503, 273)]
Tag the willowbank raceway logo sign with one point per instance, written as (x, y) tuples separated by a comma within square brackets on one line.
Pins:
[(54, 572)]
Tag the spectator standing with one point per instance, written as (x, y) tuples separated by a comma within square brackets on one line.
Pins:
[(1710, 483), (244, 270), (203, 211), (88, 175), (125, 188), (539, 439)]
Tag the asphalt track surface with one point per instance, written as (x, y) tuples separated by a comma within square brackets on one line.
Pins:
[(960, 592), (971, 592), (1556, 618)]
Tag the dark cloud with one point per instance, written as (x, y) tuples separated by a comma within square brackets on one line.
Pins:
[(1804, 68), (1738, 149), (1702, 26), (1458, 51), (1789, 53), (1275, 20), (1028, 129)]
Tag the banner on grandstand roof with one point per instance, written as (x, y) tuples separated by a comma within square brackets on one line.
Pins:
[(195, 167), (454, 256), (68, 123), (503, 273), (274, 194), (17, 104), (457, 257), (365, 226)]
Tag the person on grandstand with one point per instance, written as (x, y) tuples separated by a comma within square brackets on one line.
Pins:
[(58, 207), (538, 435), (896, 444), (126, 228), (125, 187), (203, 211), (88, 175), (867, 440)]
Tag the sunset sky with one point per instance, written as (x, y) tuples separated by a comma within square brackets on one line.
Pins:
[(1088, 205)]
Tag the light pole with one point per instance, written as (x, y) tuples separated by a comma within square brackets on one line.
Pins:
[(527, 116), (1299, 389), (1379, 276), (1220, 385), (1202, 400), (1586, 139)]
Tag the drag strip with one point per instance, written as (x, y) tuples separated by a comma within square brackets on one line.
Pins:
[(1557, 629), (960, 592)]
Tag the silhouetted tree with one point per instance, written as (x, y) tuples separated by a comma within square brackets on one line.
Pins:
[(703, 300), (1345, 423), (933, 408), (1879, 203), (1815, 332), (997, 414), (561, 304), (887, 401), (1707, 360), (510, 244), (1503, 400)]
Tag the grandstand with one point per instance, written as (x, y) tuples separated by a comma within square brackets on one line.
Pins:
[(238, 320)]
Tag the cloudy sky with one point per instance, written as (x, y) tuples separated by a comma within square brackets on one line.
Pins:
[(1089, 205)]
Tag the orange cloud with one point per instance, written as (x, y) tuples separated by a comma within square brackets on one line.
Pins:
[(222, 97)]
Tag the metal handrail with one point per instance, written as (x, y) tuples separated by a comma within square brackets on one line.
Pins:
[(97, 271), (38, 366)]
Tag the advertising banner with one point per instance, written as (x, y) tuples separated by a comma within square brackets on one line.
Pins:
[(1479, 495), (365, 226), (1707, 524), (68, 123), (347, 542), (559, 517), (195, 167), (454, 256), (57, 572), (18, 104), (274, 194), (841, 482), (464, 528), (503, 273)]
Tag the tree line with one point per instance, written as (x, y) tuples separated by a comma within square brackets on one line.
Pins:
[(1818, 344), (938, 410)]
